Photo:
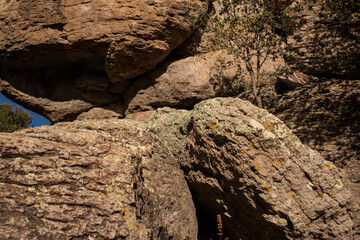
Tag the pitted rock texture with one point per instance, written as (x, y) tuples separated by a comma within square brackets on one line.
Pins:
[(245, 164), (182, 83), (64, 50), (325, 116), (92, 180), (325, 48)]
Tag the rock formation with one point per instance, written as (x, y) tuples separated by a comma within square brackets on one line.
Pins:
[(195, 157), (84, 53), (92, 180), (244, 163), (325, 115), (325, 48)]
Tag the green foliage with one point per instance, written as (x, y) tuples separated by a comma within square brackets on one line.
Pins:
[(343, 10), (246, 29), (13, 120)]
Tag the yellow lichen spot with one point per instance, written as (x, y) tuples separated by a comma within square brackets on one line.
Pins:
[(247, 183), (212, 126), (289, 193), (328, 166), (269, 126), (355, 206), (258, 167), (269, 189), (126, 212), (333, 193), (279, 160), (66, 179), (243, 152), (255, 162), (321, 193), (272, 168)]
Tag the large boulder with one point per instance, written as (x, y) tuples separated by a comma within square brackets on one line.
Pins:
[(64, 50), (325, 116), (182, 83), (244, 163), (92, 180)]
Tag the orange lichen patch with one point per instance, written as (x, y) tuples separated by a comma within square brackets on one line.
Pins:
[(289, 193), (333, 193), (279, 160), (321, 193), (66, 179), (298, 118), (105, 128), (13, 188), (328, 166), (243, 152), (258, 167), (212, 126), (126, 212), (269, 126), (269, 189), (255, 162)]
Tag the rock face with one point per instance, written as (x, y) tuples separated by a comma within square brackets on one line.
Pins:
[(325, 48), (65, 50), (181, 84), (245, 164), (92, 180), (325, 115)]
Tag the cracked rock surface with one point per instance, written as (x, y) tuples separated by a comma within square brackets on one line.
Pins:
[(86, 52), (245, 164), (108, 179)]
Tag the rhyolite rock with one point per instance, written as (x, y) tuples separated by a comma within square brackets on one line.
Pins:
[(325, 115), (245, 164), (108, 179), (86, 51), (324, 47)]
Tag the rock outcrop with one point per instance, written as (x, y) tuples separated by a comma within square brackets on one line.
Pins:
[(85, 51), (325, 48), (108, 179), (245, 164), (325, 116)]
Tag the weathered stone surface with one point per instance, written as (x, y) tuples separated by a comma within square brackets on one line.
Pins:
[(325, 115), (181, 84), (325, 48), (92, 180), (244, 163), (97, 114), (64, 50)]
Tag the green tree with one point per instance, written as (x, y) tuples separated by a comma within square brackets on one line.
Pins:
[(246, 29), (13, 120)]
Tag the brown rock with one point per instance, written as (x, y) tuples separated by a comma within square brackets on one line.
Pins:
[(181, 84), (68, 50), (98, 113), (245, 164), (325, 48), (325, 115), (92, 180)]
